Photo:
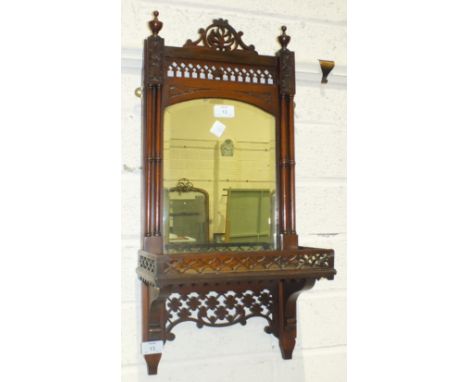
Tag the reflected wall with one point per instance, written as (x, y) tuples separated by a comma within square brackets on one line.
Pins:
[(219, 175)]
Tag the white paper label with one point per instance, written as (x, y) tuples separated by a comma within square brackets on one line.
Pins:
[(224, 111), (151, 347), (217, 129)]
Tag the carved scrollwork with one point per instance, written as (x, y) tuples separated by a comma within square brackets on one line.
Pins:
[(217, 309), (222, 37), (183, 185)]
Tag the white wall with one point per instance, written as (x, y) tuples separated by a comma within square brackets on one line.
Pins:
[(245, 353)]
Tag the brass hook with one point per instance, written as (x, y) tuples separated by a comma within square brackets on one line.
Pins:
[(138, 92), (326, 66)]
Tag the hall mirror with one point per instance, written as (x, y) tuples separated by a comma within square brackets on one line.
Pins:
[(219, 240), (219, 176)]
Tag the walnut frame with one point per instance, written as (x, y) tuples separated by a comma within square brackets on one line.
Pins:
[(250, 282)]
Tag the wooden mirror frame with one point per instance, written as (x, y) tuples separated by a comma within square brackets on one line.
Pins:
[(225, 285)]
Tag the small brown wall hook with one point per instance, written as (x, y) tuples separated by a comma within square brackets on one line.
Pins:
[(326, 66)]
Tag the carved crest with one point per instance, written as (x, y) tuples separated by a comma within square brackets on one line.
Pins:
[(184, 185), (222, 37)]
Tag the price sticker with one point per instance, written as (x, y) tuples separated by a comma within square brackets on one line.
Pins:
[(152, 347), (224, 111)]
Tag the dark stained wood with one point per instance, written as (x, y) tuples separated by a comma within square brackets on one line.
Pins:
[(283, 169), (145, 302), (288, 292), (262, 96), (152, 362), (245, 283), (157, 160), (148, 117), (292, 165), (155, 25), (234, 57), (283, 38)]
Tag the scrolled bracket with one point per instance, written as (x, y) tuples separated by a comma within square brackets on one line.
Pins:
[(288, 292)]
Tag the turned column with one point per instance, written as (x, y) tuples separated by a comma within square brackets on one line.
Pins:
[(152, 300), (286, 165)]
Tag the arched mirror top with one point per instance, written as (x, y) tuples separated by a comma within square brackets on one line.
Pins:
[(265, 102)]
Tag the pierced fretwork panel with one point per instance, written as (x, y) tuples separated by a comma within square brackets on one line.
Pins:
[(218, 309), (147, 264), (153, 267), (222, 72), (243, 263)]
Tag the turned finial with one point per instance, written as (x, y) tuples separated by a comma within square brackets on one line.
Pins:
[(155, 25), (284, 38)]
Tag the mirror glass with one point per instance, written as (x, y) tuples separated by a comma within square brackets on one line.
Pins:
[(219, 177)]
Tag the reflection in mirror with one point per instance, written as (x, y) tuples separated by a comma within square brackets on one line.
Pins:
[(219, 177)]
